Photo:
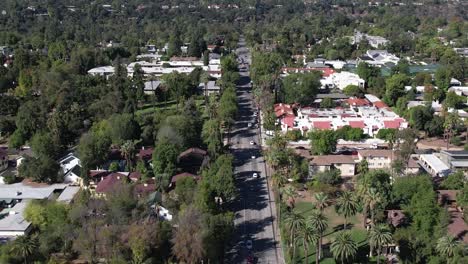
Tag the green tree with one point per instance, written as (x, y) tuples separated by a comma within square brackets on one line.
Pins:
[(43, 146), (187, 239), (212, 137), (327, 103), (25, 247), (346, 205), (332, 176), (446, 246), (455, 181), (307, 235), (353, 90), (322, 142), (42, 169), (379, 236), (395, 88), (293, 223), (343, 247), (442, 78), (453, 100), (321, 201), (301, 88), (320, 223), (165, 158)]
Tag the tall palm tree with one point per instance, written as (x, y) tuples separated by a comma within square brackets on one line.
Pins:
[(128, 151), (25, 247), (308, 235), (378, 237), (363, 194), (346, 205), (320, 222), (446, 246), (343, 247), (293, 222), (288, 193), (321, 201), (374, 199)]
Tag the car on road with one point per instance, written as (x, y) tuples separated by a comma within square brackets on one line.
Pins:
[(249, 244), (255, 114), (249, 125), (255, 175), (253, 157), (252, 142)]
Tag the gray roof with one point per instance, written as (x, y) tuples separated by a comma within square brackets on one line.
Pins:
[(434, 162), (456, 152), (332, 96), (152, 85), (22, 191), (14, 220), (68, 194)]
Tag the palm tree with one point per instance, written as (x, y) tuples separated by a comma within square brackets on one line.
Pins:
[(279, 180), (25, 247), (374, 199), (363, 194), (320, 222), (446, 246), (128, 151), (343, 247), (293, 222), (346, 205), (288, 194), (308, 235), (321, 200), (379, 236)]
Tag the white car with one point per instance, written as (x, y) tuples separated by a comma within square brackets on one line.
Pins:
[(253, 157), (252, 142), (249, 125), (255, 175), (249, 244), (255, 114)]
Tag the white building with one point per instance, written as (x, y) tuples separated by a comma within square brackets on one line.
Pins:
[(105, 71), (342, 79), (151, 87), (374, 41), (379, 58), (71, 169), (12, 223)]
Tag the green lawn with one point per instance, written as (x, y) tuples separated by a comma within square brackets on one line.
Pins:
[(149, 108), (335, 225)]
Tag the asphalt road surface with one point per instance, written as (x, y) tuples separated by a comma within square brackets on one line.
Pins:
[(254, 214)]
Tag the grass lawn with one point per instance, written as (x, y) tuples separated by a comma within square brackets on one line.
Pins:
[(335, 224), (149, 108)]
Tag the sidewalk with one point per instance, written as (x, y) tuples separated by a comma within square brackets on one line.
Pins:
[(271, 195)]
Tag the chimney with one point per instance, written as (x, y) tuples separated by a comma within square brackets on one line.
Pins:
[(143, 148), (118, 177)]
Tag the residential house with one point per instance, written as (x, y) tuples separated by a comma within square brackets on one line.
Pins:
[(13, 223), (433, 165), (3, 159), (104, 71), (342, 79), (145, 153), (379, 58), (71, 169), (374, 41), (151, 87), (209, 88), (109, 183), (192, 160), (68, 194), (345, 163), (457, 226), (183, 175), (454, 159), (376, 158), (413, 166)]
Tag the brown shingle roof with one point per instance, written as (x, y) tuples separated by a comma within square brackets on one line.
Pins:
[(386, 153), (177, 177), (108, 183), (327, 160), (191, 151)]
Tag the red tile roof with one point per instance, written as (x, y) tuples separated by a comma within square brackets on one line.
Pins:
[(322, 124), (283, 109), (145, 188), (325, 71), (392, 124), (146, 153), (289, 120), (177, 177), (357, 124), (109, 182), (358, 102), (134, 176), (380, 104), (98, 173)]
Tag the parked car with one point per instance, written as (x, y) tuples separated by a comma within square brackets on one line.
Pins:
[(255, 175), (249, 244)]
